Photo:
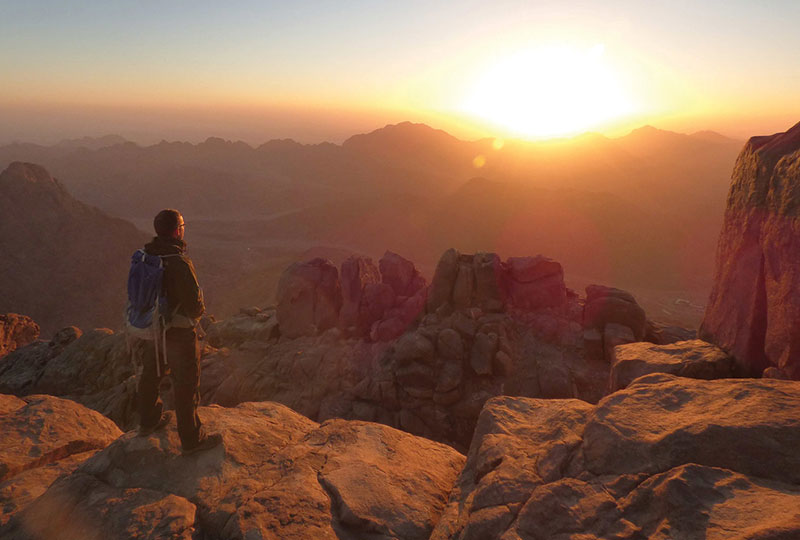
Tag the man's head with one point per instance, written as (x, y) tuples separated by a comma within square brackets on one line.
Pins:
[(169, 224)]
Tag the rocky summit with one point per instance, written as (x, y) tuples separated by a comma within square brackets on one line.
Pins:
[(491, 403), (754, 310)]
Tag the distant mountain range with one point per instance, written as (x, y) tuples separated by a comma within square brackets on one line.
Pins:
[(640, 210), (219, 178)]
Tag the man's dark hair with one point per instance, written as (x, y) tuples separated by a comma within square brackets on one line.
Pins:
[(167, 221)]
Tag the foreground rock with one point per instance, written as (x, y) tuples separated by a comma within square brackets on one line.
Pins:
[(43, 438), (16, 331), (668, 457), (278, 475), (754, 311), (94, 369), (696, 359)]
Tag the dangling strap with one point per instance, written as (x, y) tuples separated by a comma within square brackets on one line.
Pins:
[(157, 332), (164, 343)]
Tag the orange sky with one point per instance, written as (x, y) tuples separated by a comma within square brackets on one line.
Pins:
[(318, 71)]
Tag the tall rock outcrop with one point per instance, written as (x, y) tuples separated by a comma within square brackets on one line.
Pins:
[(63, 262), (754, 310), (16, 331)]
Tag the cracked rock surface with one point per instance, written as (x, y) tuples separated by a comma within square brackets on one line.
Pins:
[(42, 438), (277, 475), (668, 457)]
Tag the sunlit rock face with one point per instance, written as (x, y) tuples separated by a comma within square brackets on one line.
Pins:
[(43, 438), (667, 457), (277, 474), (696, 359), (754, 308), (16, 331)]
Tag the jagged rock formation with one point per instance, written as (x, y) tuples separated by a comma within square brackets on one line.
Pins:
[(277, 475), (16, 331), (754, 312), (43, 438), (64, 262), (376, 302), (668, 457), (420, 359), (94, 369), (494, 328), (695, 359)]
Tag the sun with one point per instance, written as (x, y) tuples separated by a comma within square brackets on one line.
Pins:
[(549, 91)]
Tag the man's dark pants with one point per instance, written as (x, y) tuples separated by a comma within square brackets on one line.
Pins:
[(183, 359)]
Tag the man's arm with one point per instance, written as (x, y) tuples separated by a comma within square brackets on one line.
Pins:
[(188, 294)]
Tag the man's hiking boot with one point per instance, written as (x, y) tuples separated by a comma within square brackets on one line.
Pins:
[(206, 443), (163, 421)]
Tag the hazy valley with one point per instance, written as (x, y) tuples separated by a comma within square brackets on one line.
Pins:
[(642, 211)]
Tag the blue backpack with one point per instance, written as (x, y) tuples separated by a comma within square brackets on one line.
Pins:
[(146, 311)]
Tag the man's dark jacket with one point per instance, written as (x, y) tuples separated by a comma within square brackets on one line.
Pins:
[(183, 293)]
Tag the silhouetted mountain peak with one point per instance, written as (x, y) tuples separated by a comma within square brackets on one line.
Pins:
[(28, 173), (220, 143), (711, 136), (280, 144), (93, 143), (403, 133)]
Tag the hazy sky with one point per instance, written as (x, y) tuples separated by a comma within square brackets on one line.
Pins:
[(323, 70)]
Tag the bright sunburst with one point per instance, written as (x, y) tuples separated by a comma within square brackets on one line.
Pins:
[(549, 92)]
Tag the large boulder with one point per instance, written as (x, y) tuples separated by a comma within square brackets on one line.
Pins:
[(43, 438), (667, 457), (696, 359), (16, 331), (662, 421), (252, 324), (535, 282), (309, 298), (519, 444), (754, 310), (276, 475), (608, 305)]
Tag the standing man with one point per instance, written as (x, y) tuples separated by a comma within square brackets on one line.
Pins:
[(184, 308)]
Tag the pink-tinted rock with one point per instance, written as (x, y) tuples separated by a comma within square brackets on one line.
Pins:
[(754, 310), (400, 274), (357, 311), (309, 298), (535, 282)]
